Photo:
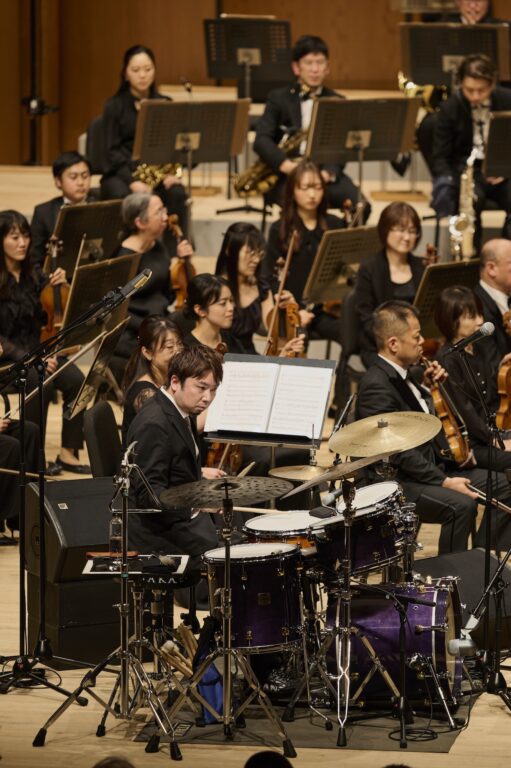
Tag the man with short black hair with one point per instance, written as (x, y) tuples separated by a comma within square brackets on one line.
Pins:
[(72, 176)]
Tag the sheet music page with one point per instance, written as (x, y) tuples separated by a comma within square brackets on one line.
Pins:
[(244, 398), (300, 401)]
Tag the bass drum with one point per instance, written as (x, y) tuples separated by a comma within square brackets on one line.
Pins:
[(428, 631)]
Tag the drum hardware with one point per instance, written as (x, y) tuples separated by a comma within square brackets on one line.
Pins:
[(226, 652), (425, 664), (338, 472)]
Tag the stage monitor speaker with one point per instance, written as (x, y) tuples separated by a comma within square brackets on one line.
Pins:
[(469, 568), (77, 521)]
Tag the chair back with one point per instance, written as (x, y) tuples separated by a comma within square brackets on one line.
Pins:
[(102, 439), (95, 146)]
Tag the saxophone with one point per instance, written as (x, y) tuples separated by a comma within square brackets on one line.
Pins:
[(431, 95), (462, 226), (259, 178), (152, 175)]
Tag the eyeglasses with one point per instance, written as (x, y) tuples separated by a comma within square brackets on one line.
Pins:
[(254, 255), (405, 231)]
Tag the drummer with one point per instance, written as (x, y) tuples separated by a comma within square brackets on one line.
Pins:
[(438, 487), (167, 452)]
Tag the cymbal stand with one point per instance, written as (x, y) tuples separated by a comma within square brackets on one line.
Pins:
[(409, 521), (131, 667), (230, 657)]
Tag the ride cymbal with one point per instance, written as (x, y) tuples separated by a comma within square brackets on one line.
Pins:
[(385, 433)]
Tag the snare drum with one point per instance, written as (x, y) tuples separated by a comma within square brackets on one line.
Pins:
[(428, 631), (291, 527), (265, 593), (375, 532)]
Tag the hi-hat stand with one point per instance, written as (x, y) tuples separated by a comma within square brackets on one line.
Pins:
[(230, 657)]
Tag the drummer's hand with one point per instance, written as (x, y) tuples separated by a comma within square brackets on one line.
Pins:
[(459, 484), (52, 364), (434, 374), (212, 473), (4, 424), (58, 277)]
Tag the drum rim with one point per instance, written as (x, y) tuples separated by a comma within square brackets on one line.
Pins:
[(374, 485), (293, 550), (247, 528)]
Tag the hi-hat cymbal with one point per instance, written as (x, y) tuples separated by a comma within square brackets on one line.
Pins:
[(346, 469), (301, 472), (210, 493), (385, 433)]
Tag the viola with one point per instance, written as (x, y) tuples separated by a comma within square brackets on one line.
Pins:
[(53, 297), (503, 416), (453, 426), (182, 271)]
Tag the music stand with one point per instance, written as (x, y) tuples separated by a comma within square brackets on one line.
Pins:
[(335, 266), (98, 371), (497, 161), (90, 283), (431, 53), (343, 130), (436, 277), (96, 224)]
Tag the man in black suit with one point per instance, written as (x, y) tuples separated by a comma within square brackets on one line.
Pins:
[(437, 487), (494, 290), (72, 175), (288, 110), (167, 450), (462, 128)]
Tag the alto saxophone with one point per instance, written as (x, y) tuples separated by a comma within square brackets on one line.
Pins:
[(259, 178), (462, 226), (152, 175)]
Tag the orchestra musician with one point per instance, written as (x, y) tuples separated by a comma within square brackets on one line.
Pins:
[(458, 314), (475, 12), (119, 123), (240, 263), (158, 340), (289, 110), (392, 273), (72, 176), (437, 487), (21, 319), (462, 126), (494, 292)]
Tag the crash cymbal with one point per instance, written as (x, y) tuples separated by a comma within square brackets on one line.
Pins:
[(301, 472), (346, 469), (210, 493), (385, 433)]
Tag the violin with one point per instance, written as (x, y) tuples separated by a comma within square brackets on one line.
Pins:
[(503, 416), (453, 426), (182, 271), (293, 326), (53, 297), (226, 456), (272, 320)]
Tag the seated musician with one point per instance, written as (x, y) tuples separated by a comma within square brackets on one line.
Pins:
[(288, 110), (119, 123), (392, 273), (475, 12), (437, 487), (167, 452), (494, 291), (458, 314), (461, 127), (72, 176), (21, 319), (158, 340), (239, 262)]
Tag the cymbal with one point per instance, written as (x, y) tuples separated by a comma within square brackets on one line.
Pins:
[(210, 493), (385, 433), (298, 472), (346, 469)]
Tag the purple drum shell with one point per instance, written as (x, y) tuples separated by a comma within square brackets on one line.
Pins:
[(265, 594), (376, 617)]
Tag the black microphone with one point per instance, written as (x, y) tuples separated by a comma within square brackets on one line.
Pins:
[(485, 330), (137, 282)]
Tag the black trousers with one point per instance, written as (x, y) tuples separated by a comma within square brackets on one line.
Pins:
[(10, 459)]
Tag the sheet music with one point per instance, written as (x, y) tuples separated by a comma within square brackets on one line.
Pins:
[(300, 397), (244, 398)]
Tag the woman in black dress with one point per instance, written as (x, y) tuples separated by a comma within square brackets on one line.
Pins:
[(158, 341), (392, 273), (21, 319), (119, 123)]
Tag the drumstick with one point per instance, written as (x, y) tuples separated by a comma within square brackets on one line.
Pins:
[(176, 662), (188, 640), (258, 510), (246, 470), (172, 648)]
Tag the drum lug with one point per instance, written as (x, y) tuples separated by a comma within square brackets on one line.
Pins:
[(249, 636)]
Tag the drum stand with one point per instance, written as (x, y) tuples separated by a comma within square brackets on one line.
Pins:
[(230, 657), (131, 667)]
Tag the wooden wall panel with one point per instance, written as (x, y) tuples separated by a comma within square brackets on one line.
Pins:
[(10, 66)]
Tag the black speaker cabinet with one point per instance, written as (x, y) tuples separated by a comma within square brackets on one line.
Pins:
[(469, 568), (77, 521)]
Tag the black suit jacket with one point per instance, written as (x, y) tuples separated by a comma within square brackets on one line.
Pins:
[(283, 115), (499, 342), (453, 136), (166, 453), (382, 390)]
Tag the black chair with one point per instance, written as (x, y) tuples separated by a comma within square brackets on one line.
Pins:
[(95, 146), (102, 440), (351, 368)]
